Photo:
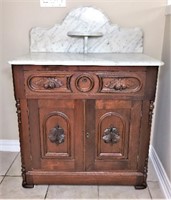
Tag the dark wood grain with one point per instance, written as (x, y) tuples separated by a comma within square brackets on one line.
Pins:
[(103, 114)]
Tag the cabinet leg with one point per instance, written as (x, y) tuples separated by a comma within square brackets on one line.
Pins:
[(141, 187), (25, 185)]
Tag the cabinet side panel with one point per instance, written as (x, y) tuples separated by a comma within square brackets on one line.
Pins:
[(18, 81), (26, 158), (144, 138), (151, 81)]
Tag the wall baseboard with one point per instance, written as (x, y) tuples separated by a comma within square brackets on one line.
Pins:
[(10, 145), (161, 174)]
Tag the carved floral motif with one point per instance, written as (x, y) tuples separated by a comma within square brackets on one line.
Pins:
[(118, 84), (52, 83), (57, 135), (111, 135), (45, 83)]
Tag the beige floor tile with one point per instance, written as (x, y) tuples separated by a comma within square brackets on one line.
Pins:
[(155, 190), (6, 159), (72, 192), (11, 188), (15, 169), (122, 192), (152, 176)]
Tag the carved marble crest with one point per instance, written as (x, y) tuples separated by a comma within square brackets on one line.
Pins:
[(86, 20)]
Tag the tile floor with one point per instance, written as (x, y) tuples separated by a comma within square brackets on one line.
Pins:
[(10, 186)]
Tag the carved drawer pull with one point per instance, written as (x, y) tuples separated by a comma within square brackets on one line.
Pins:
[(56, 135), (111, 135), (52, 83), (118, 84), (120, 87)]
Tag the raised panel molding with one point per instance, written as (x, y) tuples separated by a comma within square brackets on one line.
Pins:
[(47, 82), (121, 136), (47, 140), (121, 82), (126, 84)]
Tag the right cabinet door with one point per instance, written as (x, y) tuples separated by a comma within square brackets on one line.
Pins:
[(115, 135)]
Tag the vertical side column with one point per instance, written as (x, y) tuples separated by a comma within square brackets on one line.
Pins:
[(23, 124)]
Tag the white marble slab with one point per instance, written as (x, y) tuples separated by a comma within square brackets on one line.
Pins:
[(96, 59), (87, 20)]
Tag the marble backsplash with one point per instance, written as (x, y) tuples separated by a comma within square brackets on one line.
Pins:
[(88, 20)]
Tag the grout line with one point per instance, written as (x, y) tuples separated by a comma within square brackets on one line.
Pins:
[(13, 175), (153, 181), (149, 191), (11, 165), (98, 191), (5, 175), (2, 179), (46, 192)]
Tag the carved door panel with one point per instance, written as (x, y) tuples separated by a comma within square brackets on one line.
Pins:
[(60, 137), (115, 134)]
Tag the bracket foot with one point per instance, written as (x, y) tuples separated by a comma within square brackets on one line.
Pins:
[(25, 185), (140, 187)]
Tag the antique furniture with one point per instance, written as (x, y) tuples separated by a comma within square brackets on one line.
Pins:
[(84, 118)]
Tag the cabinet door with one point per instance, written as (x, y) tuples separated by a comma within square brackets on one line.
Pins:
[(112, 137), (56, 134)]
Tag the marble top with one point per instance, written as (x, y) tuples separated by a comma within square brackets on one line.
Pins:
[(96, 59)]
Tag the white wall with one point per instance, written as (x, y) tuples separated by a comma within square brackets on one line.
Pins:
[(1, 32), (162, 126)]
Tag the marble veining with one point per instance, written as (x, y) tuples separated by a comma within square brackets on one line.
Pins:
[(97, 59), (86, 20)]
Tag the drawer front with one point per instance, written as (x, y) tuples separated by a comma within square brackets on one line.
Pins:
[(122, 83), (46, 82), (79, 84)]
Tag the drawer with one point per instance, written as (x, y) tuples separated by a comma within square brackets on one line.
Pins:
[(47, 82), (84, 83), (122, 82)]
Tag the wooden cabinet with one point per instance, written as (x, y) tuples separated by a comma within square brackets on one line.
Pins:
[(84, 124)]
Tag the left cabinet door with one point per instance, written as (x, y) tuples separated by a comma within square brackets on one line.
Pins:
[(56, 134)]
